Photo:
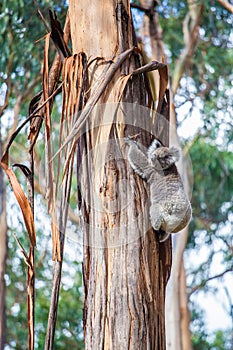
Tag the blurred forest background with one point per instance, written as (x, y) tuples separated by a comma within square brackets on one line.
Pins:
[(204, 107)]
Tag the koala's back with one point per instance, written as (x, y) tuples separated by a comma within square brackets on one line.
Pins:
[(165, 184), (168, 196)]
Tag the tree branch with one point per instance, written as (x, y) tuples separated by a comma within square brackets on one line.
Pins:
[(227, 5), (204, 282), (191, 34), (140, 8)]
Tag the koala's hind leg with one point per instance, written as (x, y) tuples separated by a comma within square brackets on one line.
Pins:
[(156, 219)]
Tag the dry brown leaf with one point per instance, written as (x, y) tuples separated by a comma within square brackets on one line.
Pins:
[(48, 130), (21, 199)]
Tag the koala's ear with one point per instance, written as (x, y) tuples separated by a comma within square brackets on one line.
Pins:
[(150, 153), (175, 153)]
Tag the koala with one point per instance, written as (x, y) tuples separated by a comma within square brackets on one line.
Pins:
[(170, 209)]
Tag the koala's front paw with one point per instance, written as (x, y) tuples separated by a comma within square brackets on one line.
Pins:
[(155, 223), (155, 216)]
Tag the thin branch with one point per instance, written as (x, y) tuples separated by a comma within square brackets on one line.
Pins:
[(19, 101), (230, 302), (204, 282), (43, 20), (153, 65), (29, 118), (29, 173), (227, 5), (22, 251), (6, 100), (140, 8), (31, 299), (229, 246), (191, 35), (148, 11)]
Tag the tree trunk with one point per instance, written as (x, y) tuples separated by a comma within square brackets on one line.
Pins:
[(3, 255), (125, 268), (178, 333), (184, 311), (180, 337)]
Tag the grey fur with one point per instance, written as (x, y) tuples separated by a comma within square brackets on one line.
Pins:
[(170, 209)]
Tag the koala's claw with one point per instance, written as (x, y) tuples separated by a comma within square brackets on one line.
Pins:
[(163, 236)]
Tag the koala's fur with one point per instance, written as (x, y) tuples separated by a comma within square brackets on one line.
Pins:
[(170, 209)]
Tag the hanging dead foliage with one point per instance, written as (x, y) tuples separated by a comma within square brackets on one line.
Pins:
[(21, 199)]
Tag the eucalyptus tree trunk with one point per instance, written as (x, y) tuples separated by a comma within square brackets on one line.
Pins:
[(125, 268)]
